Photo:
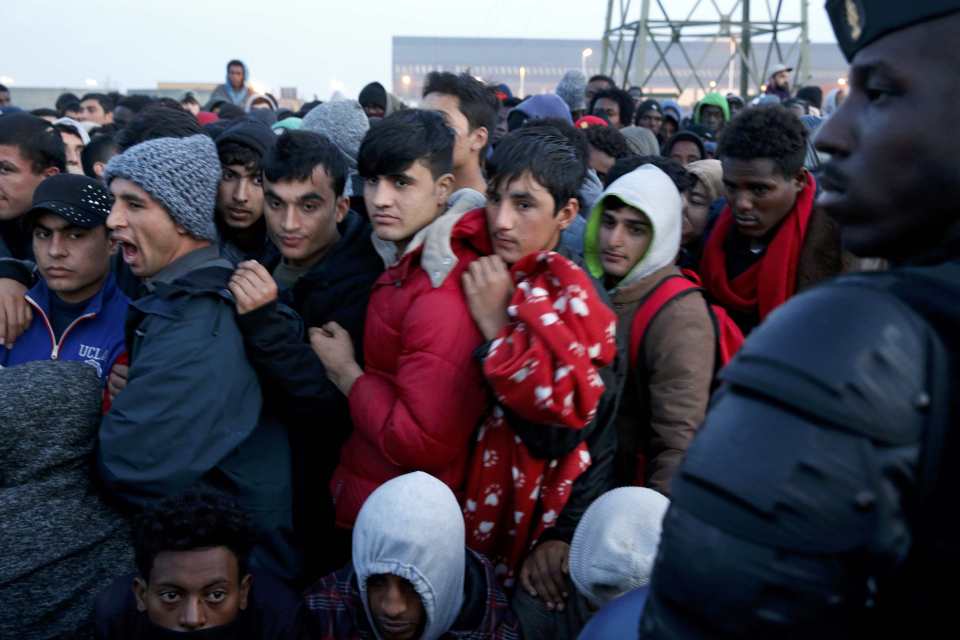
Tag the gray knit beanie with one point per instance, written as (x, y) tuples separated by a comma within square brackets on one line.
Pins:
[(182, 174), (572, 88), (615, 543), (344, 122)]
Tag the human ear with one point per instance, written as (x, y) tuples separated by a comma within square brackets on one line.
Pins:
[(567, 213), (140, 593)]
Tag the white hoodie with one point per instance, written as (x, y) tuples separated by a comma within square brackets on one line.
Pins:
[(651, 191), (412, 527), (615, 543)]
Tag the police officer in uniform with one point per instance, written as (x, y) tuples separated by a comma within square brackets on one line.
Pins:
[(819, 499)]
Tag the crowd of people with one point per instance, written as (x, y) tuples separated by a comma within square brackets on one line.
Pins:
[(578, 364)]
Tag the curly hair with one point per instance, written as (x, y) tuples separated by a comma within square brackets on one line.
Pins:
[(622, 98), (193, 520), (607, 140), (771, 132)]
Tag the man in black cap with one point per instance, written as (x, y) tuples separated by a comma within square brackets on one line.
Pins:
[(650, 116), (841, 413), (243, 231), (78, 311)]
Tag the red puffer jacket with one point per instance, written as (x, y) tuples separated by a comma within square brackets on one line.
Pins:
[(422, 394)]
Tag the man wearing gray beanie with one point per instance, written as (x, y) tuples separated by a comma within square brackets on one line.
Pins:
[(345, 123), (571, 89), (189, 415)]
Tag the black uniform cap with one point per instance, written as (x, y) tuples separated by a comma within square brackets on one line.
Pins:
[(857, 23)]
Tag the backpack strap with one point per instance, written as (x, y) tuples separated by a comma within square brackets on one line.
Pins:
[(667, 290)]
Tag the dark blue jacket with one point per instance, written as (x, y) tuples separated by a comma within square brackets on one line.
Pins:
[(191, 411), (95, 337)]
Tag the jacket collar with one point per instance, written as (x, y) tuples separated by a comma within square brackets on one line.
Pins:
[(40, 295), (185, 264), (438, 258)]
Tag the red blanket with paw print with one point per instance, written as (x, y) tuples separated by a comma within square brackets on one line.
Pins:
[(544, 367)]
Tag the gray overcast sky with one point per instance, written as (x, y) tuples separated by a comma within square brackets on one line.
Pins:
[(316, 45)]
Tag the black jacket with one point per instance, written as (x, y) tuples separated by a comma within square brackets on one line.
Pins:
[(295, 384)]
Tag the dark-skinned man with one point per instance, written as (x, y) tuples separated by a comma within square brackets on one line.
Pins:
[(842, 408)]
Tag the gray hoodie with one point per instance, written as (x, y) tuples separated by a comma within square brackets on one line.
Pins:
[(412, 527)]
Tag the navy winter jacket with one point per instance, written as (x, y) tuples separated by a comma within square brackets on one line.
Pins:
[(96, 337)]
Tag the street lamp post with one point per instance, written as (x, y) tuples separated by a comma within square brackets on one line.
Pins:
[(586, 53)]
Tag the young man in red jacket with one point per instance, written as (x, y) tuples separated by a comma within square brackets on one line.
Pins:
[(420, 395)]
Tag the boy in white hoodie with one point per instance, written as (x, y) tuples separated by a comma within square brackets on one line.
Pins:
[(632, 241), (411, 575)]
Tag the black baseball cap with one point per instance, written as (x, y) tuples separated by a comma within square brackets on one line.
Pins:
[(81, 201)]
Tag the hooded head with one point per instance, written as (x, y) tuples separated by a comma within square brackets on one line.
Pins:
[(708, 173), (706, 188), (547, 105), (344, 122), (712, 99), (651, 192), (373, 100), (615, 543), (571, 90), (233, 64), (411, 527), (641, 140)]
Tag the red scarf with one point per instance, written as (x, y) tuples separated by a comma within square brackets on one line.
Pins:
[(544, 367), (773, 279)]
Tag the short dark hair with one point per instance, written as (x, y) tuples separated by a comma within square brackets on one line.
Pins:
[(43, 112), (189, 98), (157, 121), (230, 111), (236, 63), (105, 102), (308, 107), (298, 153), (607, 79), (608, 140), (772, 132), (191, 521), (622, 98), (574, 135), (478, 102), (65, 99), (402, 138), (234, 153), (100, 149), (681, 178), (38, 141), (812, 95), (136, 103), (547, 153), (3, 87)]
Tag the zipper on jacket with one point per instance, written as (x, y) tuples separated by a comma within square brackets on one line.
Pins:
[(56, 348), (55, 353)]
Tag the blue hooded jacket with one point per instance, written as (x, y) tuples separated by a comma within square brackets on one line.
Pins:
[(96, 337)]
